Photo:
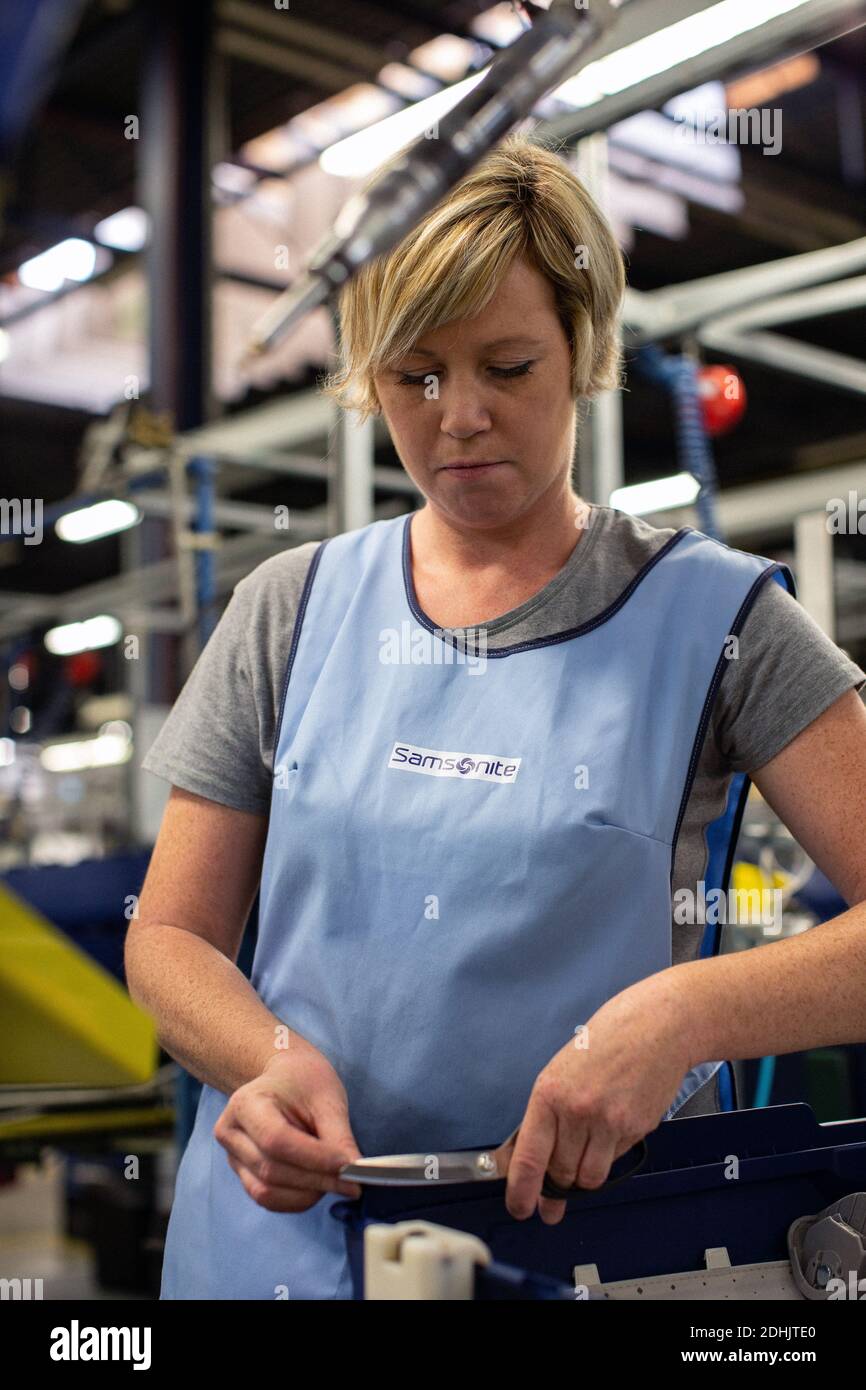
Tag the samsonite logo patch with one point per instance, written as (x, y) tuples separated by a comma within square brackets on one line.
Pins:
[(479, 767)]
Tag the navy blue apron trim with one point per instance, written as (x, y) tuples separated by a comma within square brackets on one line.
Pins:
[(565, 636), (703, 725), (296, 635)]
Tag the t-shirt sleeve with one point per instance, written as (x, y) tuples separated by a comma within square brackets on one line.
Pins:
[(787, 673), (218, 740), (209, 743)]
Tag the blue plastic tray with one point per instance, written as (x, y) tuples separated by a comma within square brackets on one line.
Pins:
[(662, 1219)]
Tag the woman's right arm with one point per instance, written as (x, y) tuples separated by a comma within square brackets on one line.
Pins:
[(286, 1126), (181, 949)]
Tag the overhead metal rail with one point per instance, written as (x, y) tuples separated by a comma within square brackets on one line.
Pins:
[(784, 36), (135, 595)]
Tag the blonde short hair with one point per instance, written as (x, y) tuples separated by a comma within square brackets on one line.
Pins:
[(520, 200)]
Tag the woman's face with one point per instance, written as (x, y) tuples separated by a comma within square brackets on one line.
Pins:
[(495, 388)]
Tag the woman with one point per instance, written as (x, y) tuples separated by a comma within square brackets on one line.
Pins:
[(468, 840)]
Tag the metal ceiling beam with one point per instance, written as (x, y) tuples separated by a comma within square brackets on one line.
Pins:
[(133, 590), (430, 13), (240, 516), (784, 207), (786, 355), (133, 594), (303, 37), (835, 298), (263, 53), (691, 307), (681, 309), (735, 334), (760, 512), (296, 419), (788, 34)]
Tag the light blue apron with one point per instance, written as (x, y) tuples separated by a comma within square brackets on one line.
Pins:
[(467, 856)]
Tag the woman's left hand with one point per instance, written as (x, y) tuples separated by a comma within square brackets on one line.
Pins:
[(606, 1089)]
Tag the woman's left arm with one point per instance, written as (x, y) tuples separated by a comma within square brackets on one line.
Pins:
[(809, 990), (597, 1096)]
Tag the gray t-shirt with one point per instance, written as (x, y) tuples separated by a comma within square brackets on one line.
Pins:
[(218, 740)]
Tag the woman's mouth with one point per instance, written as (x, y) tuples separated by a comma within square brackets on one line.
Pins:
[(465, 468)]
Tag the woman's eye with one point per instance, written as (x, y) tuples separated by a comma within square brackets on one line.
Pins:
[(406, 380), (522, 369)]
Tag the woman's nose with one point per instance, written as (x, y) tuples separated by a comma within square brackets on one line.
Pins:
[(463, 411)]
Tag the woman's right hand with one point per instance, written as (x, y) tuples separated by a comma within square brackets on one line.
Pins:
[(287, 1131)]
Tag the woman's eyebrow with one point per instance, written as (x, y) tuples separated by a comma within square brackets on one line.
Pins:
[(496, 342)]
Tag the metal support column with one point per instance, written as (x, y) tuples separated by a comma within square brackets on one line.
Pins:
[(350, 484), (813, 568), (180, 121), (599, 468), (176, 159)]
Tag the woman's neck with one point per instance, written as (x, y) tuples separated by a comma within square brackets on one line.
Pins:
[(461, 582), (527, 549)]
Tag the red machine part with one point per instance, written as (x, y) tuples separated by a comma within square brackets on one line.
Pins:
[(723, 397), (83, 668)]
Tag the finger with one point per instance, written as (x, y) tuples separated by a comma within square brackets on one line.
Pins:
[(279, 1134), (551, 1210), (571, 1141), (331, 1117), (599, 1154), (283, 1199), (528, 1163), (276, 1174), (572, 1137)]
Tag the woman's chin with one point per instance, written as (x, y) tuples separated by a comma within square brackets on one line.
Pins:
[(478, 511)]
